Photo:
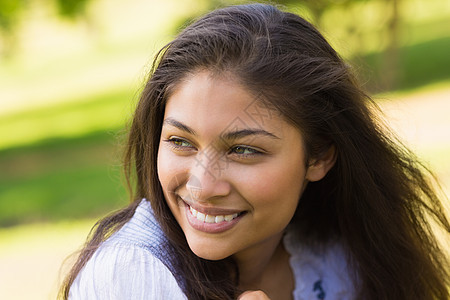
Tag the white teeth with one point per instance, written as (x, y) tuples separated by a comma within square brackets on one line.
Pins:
[(193, 211), (210, 218), (201, 216), (228, 217), (219, 219)]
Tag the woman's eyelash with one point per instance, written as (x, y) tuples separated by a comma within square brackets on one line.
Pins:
[(179, 143), (244, 151), (239, 150)]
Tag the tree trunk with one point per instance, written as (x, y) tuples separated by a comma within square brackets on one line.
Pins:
[(390, 68)]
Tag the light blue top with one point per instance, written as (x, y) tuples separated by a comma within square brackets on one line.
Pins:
[(132, 264)]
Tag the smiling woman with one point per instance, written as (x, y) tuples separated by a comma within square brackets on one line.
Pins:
[(262, 172), (244, 176)]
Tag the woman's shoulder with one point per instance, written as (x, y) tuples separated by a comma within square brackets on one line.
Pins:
[(128, 266), (320, 271)]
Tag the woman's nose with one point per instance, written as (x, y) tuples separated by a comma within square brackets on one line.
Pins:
[(206, 178)]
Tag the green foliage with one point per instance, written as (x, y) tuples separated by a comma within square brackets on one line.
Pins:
[(10, 13), (71, 8), (317, 7)]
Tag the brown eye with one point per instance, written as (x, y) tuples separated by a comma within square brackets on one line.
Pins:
[(179, 143), (242, 150)]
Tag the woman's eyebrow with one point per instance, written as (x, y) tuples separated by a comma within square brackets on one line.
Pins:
[(232, 135), (179, 125)]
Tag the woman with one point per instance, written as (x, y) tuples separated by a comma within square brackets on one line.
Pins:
[(260, 165)]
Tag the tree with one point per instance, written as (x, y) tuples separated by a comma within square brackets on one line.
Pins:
[(390, 65), (10, 14), (72, 8)]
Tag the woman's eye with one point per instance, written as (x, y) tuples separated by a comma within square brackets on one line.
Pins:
[(245, 151), (179, 143)]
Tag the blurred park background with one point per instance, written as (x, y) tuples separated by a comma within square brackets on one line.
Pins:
[(70, 75)]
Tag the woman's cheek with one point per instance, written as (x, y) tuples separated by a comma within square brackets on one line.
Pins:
[(166, 168)]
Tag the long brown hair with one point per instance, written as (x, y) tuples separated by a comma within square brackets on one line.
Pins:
[(377, 199)]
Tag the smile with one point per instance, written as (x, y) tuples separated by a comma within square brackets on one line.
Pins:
[(209, 222), (211, 218)]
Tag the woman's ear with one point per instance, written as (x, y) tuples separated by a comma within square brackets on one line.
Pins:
[(318, 168)]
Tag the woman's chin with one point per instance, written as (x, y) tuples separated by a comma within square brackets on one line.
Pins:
[(209, 253)]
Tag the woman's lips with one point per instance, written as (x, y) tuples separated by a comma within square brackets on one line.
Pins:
[(211, 222), (209, 210), (210, 218)]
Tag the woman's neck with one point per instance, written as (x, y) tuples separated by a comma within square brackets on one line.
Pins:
[(266, 267)]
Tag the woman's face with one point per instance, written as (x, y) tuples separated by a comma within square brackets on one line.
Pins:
[(232, 170)]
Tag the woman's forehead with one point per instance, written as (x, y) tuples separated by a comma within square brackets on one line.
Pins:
[(212, 101)]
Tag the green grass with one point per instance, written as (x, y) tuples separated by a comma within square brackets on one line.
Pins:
[(104, 111), (64, 161), (66, 178), (419, 65)]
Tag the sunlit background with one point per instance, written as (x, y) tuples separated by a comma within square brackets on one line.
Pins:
[(70, 75)]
